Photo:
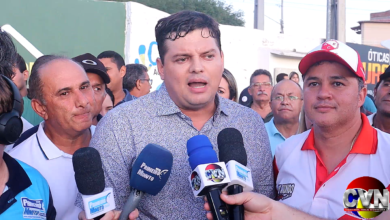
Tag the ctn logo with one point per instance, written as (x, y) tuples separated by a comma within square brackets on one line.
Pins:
[(366, 197)]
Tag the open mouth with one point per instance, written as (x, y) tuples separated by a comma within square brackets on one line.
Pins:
[(197, 85)]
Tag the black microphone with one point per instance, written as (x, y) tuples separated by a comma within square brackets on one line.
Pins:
[(232, 152), (149, 175), (89, 176), (209, 176)]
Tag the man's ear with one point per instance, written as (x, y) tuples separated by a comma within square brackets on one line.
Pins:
[(122, 71), (160, 68), (25, 75), (250, 91), (39, 108), (362, 96), (138, 84)]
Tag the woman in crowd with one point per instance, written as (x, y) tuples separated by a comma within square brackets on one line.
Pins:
[(294, 77), (228, 86), (108, 102)]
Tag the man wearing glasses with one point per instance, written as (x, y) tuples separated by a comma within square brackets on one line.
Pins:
[(286, 104), (136, 80), (260, 89)]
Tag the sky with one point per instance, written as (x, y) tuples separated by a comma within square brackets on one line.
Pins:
[(308, 17)]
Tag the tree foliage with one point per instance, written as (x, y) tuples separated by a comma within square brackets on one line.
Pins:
[(217, 9)]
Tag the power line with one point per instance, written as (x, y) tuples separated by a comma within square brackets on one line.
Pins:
[(272, 19)]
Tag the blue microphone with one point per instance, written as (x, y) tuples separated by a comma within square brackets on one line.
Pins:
[(209, 176), (149, 175)]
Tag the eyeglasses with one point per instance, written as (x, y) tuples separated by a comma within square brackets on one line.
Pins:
[(149, 80), (280, 98), (257, 85)]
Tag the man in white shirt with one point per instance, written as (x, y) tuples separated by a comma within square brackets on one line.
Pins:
[(314, 169), (381, 119), (62, 95)]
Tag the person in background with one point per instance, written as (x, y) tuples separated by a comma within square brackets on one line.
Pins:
[(228, 86), (286, 104), (137, 80), (116, 69), (108, 102), (245, 98), (304, 122), (98, 79), (62, 96), (281, 76), (381, 119), (294, 77), (369, 105), (260, 90), (20, 79), (20, 75)]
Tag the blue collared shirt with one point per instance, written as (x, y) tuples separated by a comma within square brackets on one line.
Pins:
[(275, 137), (128, 97)]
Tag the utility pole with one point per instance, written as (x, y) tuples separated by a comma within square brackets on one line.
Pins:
[(341, 20), (259, 15), (281, 20), (335, 20)]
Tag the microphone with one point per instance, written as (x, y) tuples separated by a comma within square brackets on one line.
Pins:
[(89, 177), (149, 175), (232, 152), (209, 176)]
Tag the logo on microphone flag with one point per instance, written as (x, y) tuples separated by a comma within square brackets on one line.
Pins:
[(215, 173), (195, 181)]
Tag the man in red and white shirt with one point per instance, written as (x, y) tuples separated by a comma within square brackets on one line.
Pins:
[(313, 169)]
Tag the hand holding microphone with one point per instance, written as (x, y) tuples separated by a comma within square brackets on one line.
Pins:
[(208, 176), (149, 175), (232, 152)]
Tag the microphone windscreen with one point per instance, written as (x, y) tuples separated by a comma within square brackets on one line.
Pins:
[(151, 169), (200, 151), (231, 146), (88, 171)]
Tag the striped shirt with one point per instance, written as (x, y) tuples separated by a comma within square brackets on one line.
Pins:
[(127, 129)]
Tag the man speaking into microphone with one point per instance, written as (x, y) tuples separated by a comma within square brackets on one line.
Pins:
[(191, 64)]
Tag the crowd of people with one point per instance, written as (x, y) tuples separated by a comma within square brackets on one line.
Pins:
[(312, 139)]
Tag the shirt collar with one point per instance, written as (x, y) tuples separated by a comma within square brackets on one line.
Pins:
[(272, 128), (168, 107), (128, 97), (18, 179), (47, 147), (366, 142)]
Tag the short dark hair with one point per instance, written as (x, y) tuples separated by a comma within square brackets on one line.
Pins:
[(134, 72), (35, 82), (280, 77), (115, 57), (228, 76), (20, 63), (180, 24), (109, 92), (7, 55), (6, 101), (261, 72)]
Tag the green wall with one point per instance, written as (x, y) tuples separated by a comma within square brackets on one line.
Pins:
[(66, 27)]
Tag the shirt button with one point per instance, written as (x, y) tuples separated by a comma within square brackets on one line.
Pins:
[(323, 185), (183, 116)]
